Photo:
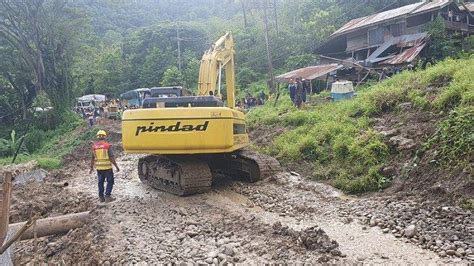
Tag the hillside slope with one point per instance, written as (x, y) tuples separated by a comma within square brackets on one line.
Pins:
[(414, 130)]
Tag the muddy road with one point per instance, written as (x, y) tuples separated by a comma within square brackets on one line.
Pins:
[(235, 222), (286, 218)]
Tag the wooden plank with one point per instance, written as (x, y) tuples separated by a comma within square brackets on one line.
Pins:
[(8, 256), (16, 236), (5, 206)]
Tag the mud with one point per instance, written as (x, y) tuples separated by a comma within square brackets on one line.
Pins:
[(264, 135)]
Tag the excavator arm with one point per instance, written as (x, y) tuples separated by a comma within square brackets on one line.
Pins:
[(219, 57)]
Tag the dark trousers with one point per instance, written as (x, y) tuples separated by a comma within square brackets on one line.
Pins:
[(292, 94), (105, 175)]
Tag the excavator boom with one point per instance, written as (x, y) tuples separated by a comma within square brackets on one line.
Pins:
[(219, 57)]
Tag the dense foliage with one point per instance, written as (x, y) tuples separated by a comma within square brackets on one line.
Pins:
[(104, 46)]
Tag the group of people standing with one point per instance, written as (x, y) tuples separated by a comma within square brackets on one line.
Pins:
[(298, 89), (95, 112), (93, 116), (250, 101)]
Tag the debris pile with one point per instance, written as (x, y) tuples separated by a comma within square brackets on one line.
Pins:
[(40, 194), (87, 244), (50, 197), (312, 238)]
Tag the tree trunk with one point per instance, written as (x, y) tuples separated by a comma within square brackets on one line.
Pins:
[(53, 225), (20, 93)]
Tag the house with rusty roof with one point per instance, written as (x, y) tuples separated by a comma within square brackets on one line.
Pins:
[(396, 37), (385, 42)]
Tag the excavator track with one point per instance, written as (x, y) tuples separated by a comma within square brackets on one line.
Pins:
[(263, 165), (247, 165), (179, 175), (185, 175)]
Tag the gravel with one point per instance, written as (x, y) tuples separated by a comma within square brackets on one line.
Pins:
[(446, 230), (285, 219)]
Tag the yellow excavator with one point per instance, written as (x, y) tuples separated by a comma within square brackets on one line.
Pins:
[(189, 139)]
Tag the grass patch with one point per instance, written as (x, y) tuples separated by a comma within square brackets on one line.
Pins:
[(454, 138), (467, 204), (338, 139), (49, 163)]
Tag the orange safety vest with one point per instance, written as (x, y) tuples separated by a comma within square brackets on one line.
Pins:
[(101, 154)]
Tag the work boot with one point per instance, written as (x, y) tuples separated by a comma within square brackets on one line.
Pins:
[(101, 199), (109, 198)]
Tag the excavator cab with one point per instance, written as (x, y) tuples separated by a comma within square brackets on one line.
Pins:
[(187, 101)]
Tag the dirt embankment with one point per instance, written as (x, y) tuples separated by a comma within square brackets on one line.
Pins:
[(406, 131)]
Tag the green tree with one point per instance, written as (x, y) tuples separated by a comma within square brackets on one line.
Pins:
[(441, 45), (172, 77), (191, 71), (245, 76), (110, 76), (44, 32), (154, 66), (10, 104), (90, 88)]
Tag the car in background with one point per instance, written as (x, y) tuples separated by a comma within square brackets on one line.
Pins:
[(89, 103)]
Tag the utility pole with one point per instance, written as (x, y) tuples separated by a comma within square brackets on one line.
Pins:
[(264, 5), (178, 39), (267, 43), (245, 13), (276, 16)]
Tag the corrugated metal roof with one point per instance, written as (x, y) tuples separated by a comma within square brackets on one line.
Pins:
[(412, 39), (400, 41), (310, 73), (406, 56), (470, 7), (430, 5), (412, 9)]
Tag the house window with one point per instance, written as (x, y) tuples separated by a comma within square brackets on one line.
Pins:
[(418, 20), (376, 36), (397, 29)]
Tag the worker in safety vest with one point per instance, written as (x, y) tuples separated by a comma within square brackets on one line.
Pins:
[(103, 159)]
